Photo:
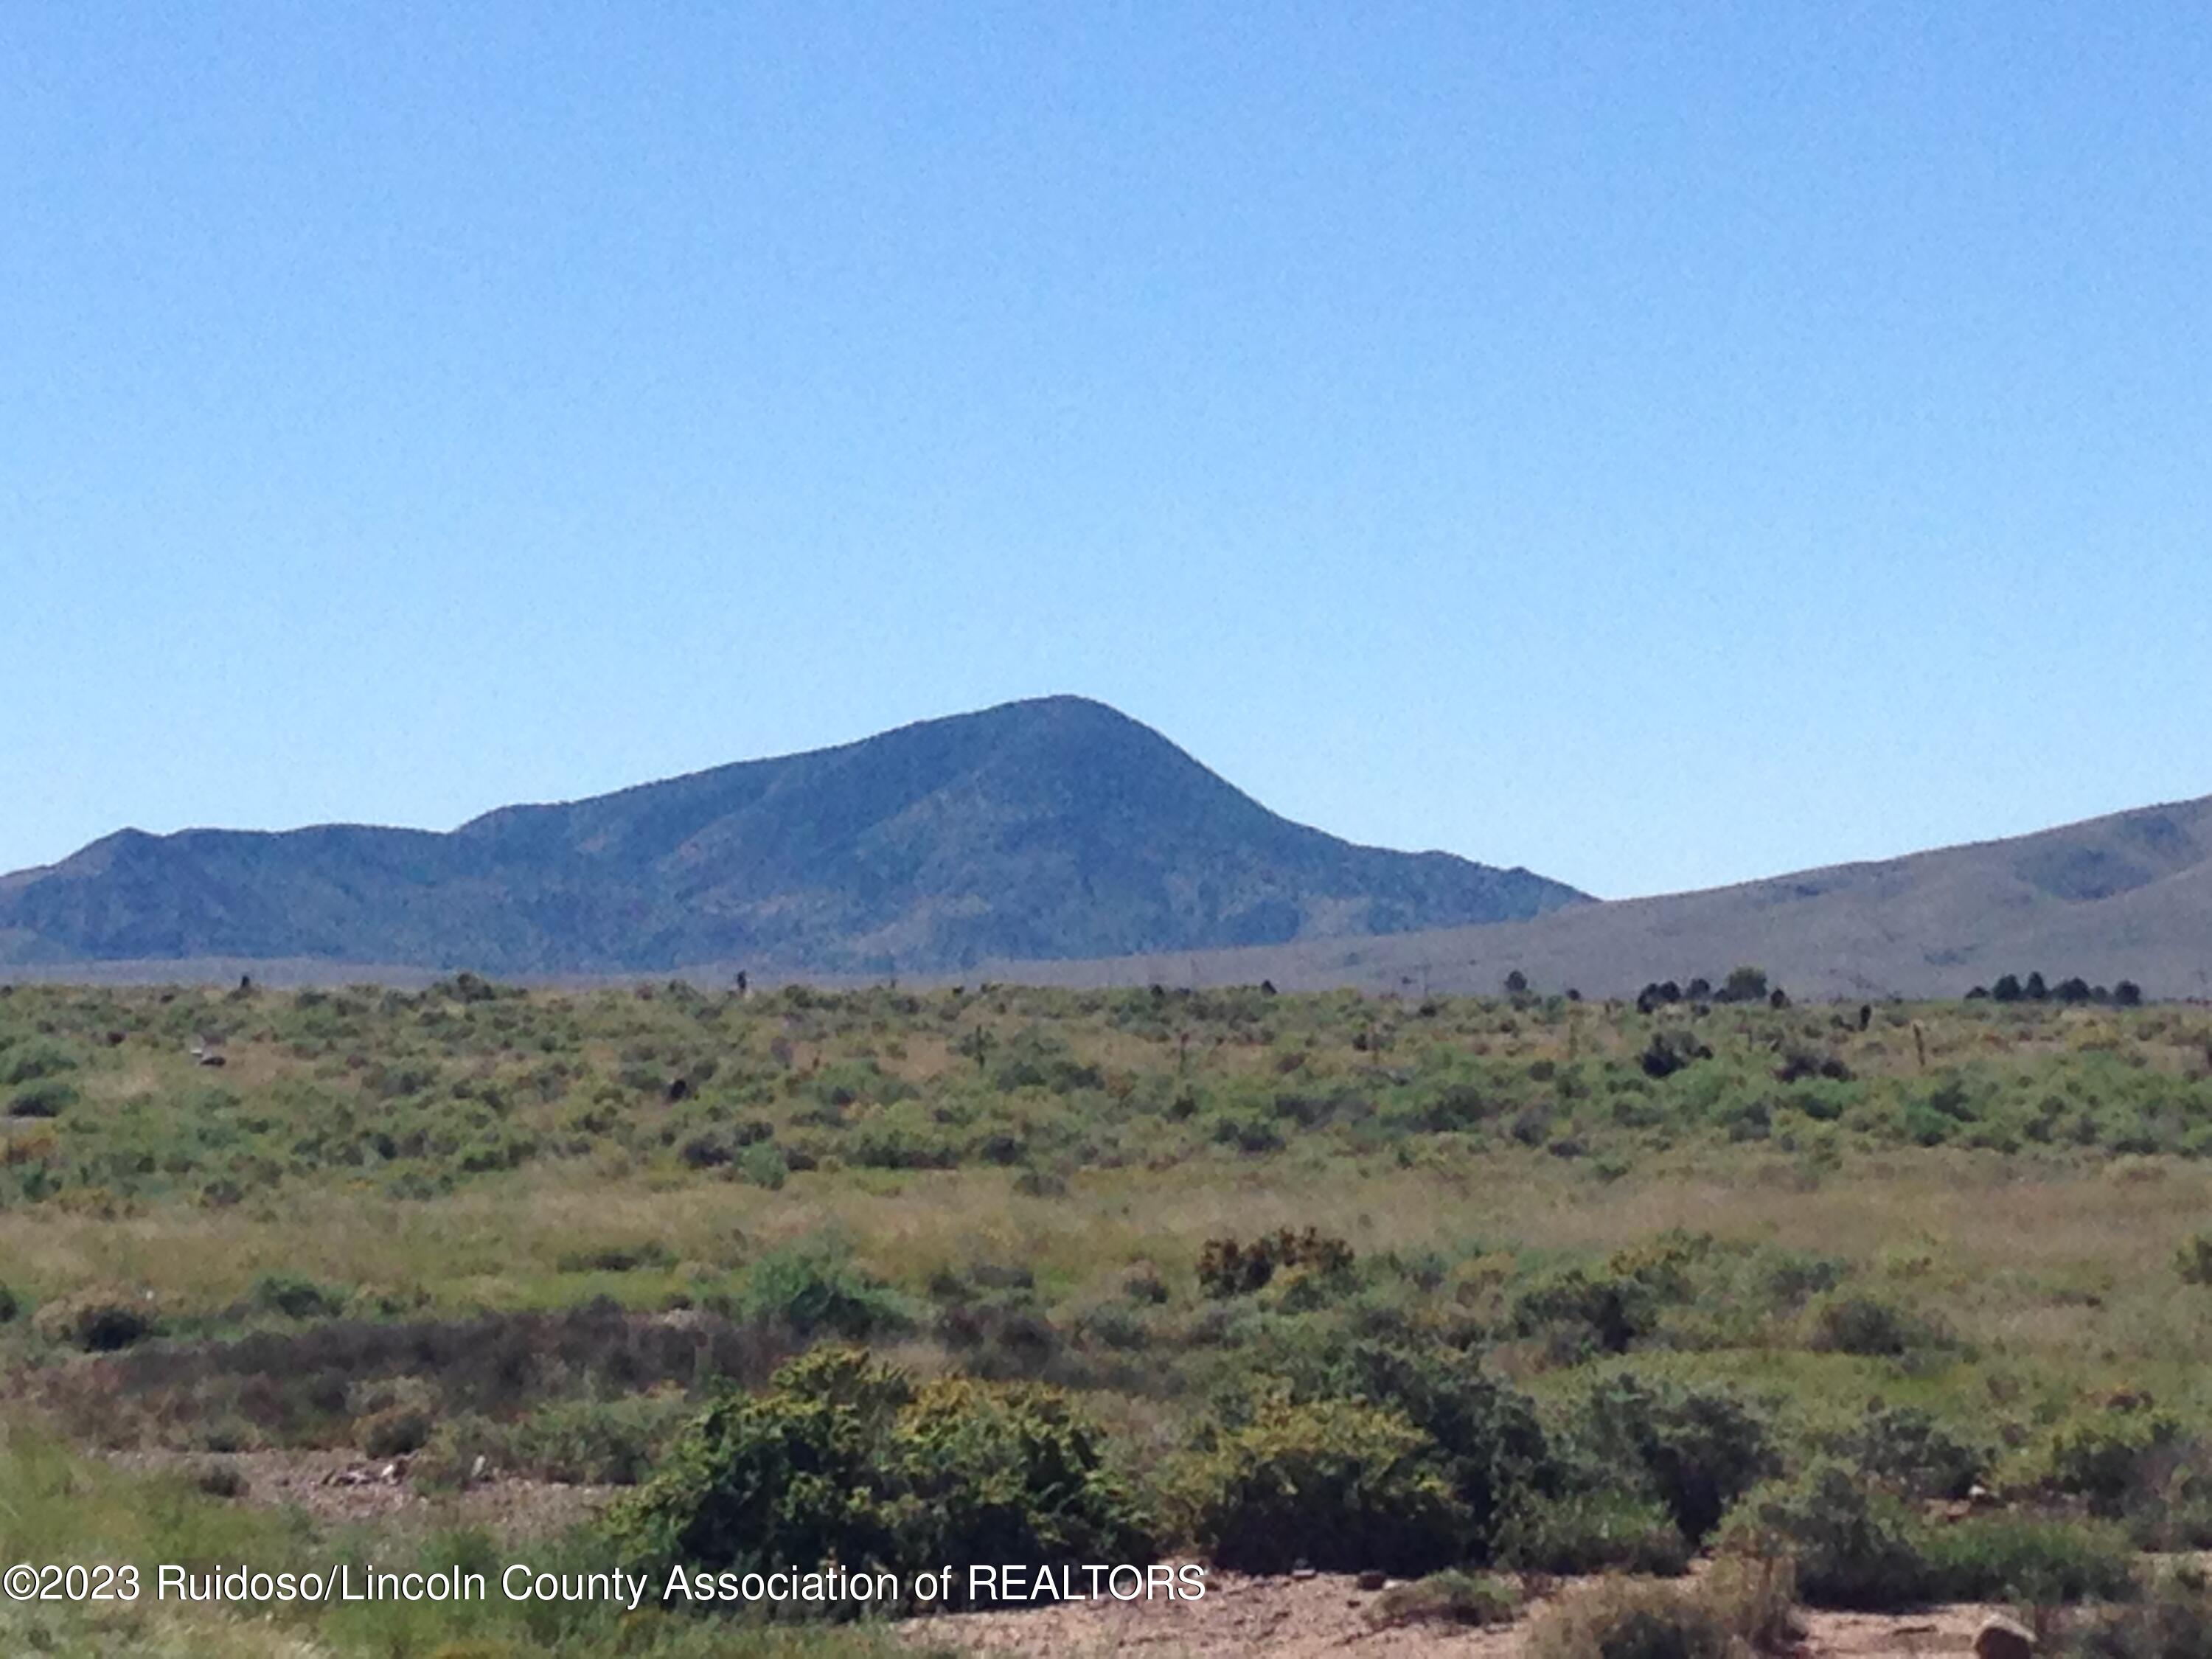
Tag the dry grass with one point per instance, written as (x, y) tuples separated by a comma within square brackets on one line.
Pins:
[(2071, 1271)]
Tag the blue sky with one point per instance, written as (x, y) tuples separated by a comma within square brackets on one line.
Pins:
[(1658, 445)]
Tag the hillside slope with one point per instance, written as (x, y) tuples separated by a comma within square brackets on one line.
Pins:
[(2124, 897), (1049, 828)]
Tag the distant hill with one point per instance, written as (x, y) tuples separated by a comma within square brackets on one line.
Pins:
[(1049, 828), (2127, 896)]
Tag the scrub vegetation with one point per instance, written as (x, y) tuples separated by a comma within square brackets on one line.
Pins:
[(1876, 1305)]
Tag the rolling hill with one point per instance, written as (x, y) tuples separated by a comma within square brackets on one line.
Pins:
[(1050, 829), (2124, 897)]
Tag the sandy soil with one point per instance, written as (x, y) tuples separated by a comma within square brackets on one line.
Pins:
[(1330, 1615), (1284, 1618)]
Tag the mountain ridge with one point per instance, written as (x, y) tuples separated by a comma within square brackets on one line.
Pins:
[(2125, 895), (1054, 827)]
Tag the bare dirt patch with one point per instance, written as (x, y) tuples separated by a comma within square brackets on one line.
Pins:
[(1329, 1615), (341, 1488)]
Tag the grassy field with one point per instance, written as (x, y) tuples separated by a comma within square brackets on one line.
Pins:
[(1515, 1284)]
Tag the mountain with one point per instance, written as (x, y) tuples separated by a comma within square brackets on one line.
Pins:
[(2126, 897), (1049, 828)]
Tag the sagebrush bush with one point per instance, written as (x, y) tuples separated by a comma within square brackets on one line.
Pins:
[(1907, 1449), (843, 1458), (2171, 1620), (815, 1289), (98, 1321), (1856, 1548), (49, 1098), (1228, 1267), (296, 1297), (395, 1431), (2036, 1560), (1851, 1545), (1483, 1433), (2119, 1463), (1451, 1597), (1334, 1484), (1616, 1618), (1855, 1323), (222, 1481), (611, 1443), (1694, 1449), (1487, 1434), (1586, 1532), (31, 1061), (1605, 1310)]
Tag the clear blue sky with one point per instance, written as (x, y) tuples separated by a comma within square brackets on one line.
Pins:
[(1655, 444)]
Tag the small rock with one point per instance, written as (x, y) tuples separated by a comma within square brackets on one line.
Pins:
[(1373, 1579), (2001, 1638), (476, 1469)]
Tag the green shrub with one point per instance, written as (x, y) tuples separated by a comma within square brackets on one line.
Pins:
[(2030, 1559), (604, 1442), (1609, 1311), (298, 1298), (1011, 1472), (395, 1432), (2111, 1460), (815, 1289), (764, 1164), (2171, 1508), (1333, 1484), (460, 1448), (1449, 1598), (1670, 1052), (97, 1321), (2173, 1620), (1492, 1448), (1906, 1449), (31, 1061), (48, 1099), (222, 1481), (841, 1458), (1852, 1547), (650, 1255), (2193, 1261), (1853, 1322), (1617, 1618), (997, 1333), (1863, 1549), (1696, 1450), (11, 1305), (1483, 1432), (1227, 1267), (1587, 1532)]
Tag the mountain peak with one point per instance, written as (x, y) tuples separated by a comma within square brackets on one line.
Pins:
[(1050, 827)]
